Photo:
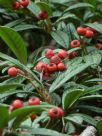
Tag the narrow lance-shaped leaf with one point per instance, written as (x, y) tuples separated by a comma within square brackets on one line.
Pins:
[(14, 41), (4, 116)]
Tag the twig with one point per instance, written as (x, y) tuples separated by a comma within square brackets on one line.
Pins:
[(89, 131)]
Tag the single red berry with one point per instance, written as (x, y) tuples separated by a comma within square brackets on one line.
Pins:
[(81, 31), (73, 55), (99, 46), (55, 113), (34, 101), (52, 67), (63, 54), (89, 34), (75, 44), (41, 66), (12, 72), (16, 5), (33, 117), (43, 15), (61, 66), (49, 53), (17, 104), (55, 59), (24, 3), (45, 75)]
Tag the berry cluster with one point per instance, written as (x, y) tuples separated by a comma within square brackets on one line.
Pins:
[(53, 112), (55, 62), (17, 104), (19, 4), (86, 32)]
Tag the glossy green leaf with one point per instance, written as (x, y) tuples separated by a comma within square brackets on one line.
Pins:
[(99, 127), (70, 97), (14, 41), (87, 118), (6, 87), (4, 116), (78, 5), (61, 38), (77, 119)]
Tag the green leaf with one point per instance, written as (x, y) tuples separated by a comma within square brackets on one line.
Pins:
[(93, 89), (33, 8), (77, 119), (99, 127), (61, 38), (87, 118), (6, 87), (78, 5), (23, 27), (97, 27), (90, 108), (14, 41), (45, 132), (4, 116), (91, 97), (72, 31), (70, 97)]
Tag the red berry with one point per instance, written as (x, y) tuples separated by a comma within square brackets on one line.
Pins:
[(34, 101), (91, 29), (17, 104), (12, 72), (73, 55), (81, 31), (55, 59), (63, 54), (99, 46), (43, 15), (24, 3), (51, 67), (41, 66), (75, 44), (89, 34), (61, 66), (55, 113), (33, 117), (45, 75), (49, 53), (16, 5)]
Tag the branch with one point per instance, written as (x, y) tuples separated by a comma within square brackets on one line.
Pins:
[(89, 131)]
